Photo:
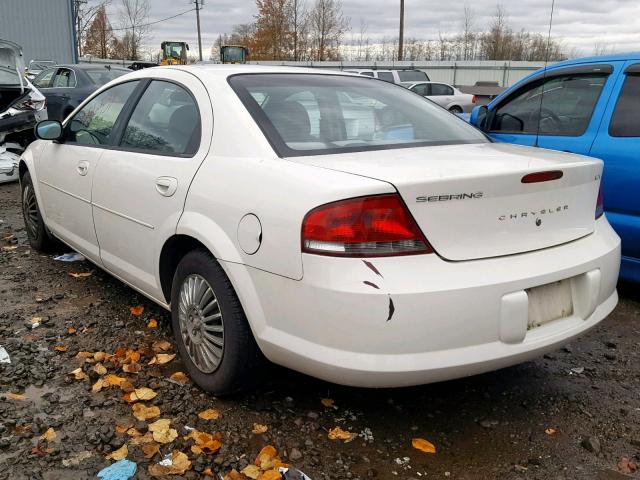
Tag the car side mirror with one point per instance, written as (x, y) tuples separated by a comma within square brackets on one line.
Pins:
[(49, 130), (479, 117)]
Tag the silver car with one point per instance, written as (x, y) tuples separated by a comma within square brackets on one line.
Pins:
[(444, 95)]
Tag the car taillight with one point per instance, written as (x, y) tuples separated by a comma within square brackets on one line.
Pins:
[(372, 226), (474, 99), (599, 204)]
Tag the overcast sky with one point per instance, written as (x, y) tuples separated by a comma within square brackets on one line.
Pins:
[(580, 24)]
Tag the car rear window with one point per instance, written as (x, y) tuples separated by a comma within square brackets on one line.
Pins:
[(102, 76), (412, 76), (315, 114)]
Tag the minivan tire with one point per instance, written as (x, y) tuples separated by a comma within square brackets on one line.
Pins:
[(37, 232), (241, 358)]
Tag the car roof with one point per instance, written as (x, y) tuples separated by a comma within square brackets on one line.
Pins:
[(603, 58), (92, 66), (227, 70)]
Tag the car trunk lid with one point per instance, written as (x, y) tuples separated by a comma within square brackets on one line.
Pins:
[(470, 200), (12, 83)]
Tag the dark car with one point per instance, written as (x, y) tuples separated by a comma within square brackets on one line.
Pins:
[(66, 86)]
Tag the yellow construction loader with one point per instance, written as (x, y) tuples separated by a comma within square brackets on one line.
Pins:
[(174, 53)]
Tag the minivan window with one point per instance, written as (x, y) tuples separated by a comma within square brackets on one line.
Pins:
[(624, 122), (561, 105), (412, 76), (386, 76), (312, 114), (166, 119), (93, 124)]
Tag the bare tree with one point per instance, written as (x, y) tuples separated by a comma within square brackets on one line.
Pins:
[(468, 35), (134, 16), (327, 26), (84, 12)]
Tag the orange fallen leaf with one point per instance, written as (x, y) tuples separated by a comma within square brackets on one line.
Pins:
[(16, 396), (259, 429), (143, 440), (99, 356), (338, 434), (251, 471), (161, 346), (114, 380), (132, 432), (423, 445), (162, 358), (71, 331), (268, 459), (136, 311), (99, 369), (209, 414), (270, 475), (60, 348), (150, 449), (144, 394), (550, 431), (132, 367), (205, 442), (99, 385), (49, 435), (180, 463), (207, 472), (179, 377), (84, 355), (162, 432), (80, 275), (327, 402), (153, 323), (234, 475), (144, 413), (78, 374), (118, 454), (123, 427)]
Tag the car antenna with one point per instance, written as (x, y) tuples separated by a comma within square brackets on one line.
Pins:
[(544, 74)]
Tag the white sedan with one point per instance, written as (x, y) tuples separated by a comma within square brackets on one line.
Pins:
[(444, 95), (397, 248)]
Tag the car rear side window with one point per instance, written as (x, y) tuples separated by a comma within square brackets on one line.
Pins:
[(421, 89), (64, 78), (439, 89), (93, 124), (412, 76), (624, 122), (165, 120), (561, 105)]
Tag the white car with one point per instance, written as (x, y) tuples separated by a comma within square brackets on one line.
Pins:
[(408, 251), (392, 76), (444, 95)]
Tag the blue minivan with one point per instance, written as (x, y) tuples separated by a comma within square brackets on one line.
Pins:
[(589, 106)]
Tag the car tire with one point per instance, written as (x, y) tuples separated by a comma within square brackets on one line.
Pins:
[(455, 109), (37, 232), (239, 359)]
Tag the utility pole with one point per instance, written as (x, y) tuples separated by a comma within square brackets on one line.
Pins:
[(401, 35), (199, 4)]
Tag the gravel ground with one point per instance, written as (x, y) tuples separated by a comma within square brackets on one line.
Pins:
[(573, 414)]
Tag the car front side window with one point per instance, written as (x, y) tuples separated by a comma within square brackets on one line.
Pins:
[(560, 105), (93, 124), (166, 119)]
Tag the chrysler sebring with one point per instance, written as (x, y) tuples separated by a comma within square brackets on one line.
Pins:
[(334, 224)]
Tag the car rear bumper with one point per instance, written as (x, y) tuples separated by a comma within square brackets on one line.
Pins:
[(419, 319)]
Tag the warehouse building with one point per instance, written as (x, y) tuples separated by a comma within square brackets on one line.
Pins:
[(44, 28)]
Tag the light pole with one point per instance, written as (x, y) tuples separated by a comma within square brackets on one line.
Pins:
[(199, 4), (401, 35)]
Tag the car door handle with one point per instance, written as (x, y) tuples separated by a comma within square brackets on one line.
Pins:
[(83, 168), (166, 186)]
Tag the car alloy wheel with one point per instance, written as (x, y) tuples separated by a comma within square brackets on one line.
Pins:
[(30, 209), (201, 323)]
